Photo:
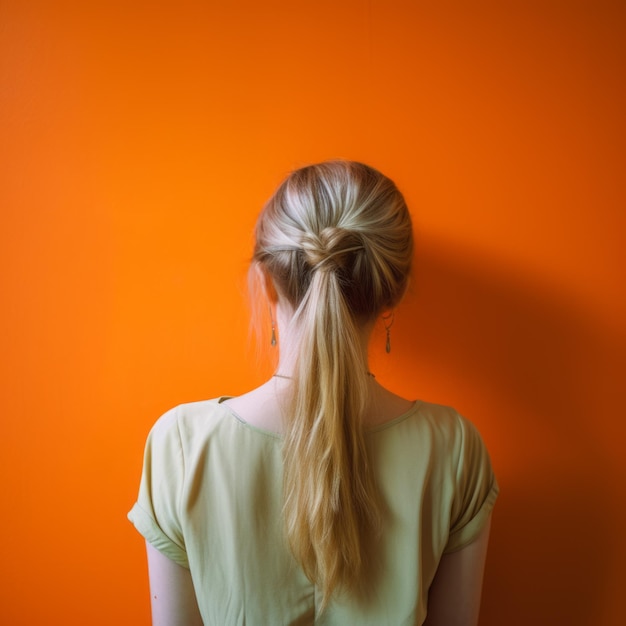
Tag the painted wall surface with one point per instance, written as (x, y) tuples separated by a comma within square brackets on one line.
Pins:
[(139, 141)]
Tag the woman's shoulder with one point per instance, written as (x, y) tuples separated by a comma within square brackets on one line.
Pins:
[(438, 423), (442, 416), (188, 418), (389, 409), (421, 413), (454, 432)]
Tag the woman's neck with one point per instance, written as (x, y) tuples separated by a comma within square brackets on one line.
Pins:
[(289, 343)]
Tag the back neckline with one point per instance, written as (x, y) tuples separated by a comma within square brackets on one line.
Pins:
[(274, 435)]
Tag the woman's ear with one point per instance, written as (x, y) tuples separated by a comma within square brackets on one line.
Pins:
[(267, 284)]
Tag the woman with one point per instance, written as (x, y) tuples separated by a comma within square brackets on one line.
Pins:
[(319, 497)]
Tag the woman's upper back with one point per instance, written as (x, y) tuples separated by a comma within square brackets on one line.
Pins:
[(213, 502)]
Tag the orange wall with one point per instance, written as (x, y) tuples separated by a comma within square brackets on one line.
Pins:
[(137, 146)]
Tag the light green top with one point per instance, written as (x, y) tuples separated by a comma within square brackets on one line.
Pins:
[(210, 499)]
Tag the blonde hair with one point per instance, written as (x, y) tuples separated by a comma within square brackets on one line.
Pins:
[(336, 240)]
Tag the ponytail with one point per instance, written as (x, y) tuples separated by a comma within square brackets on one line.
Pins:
[(329, 490)]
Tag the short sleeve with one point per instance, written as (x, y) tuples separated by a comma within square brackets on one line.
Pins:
[(156, 512), (476, 489)]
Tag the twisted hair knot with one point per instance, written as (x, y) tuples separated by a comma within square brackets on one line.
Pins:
[(331, 249)]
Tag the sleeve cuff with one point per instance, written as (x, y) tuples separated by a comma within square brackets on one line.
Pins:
[(155, 536), (468, 533)]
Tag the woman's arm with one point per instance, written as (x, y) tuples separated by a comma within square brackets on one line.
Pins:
[(454, 596), (172, 595)]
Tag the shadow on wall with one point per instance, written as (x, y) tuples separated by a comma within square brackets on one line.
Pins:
[(543, 379)]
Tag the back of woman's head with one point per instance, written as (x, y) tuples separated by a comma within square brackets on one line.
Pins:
[(336, 241), (339, 216)]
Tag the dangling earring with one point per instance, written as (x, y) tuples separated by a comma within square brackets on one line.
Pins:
[(388, 323), (273, 340)]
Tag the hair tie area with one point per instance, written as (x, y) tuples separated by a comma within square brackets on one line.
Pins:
[(332, 249)]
